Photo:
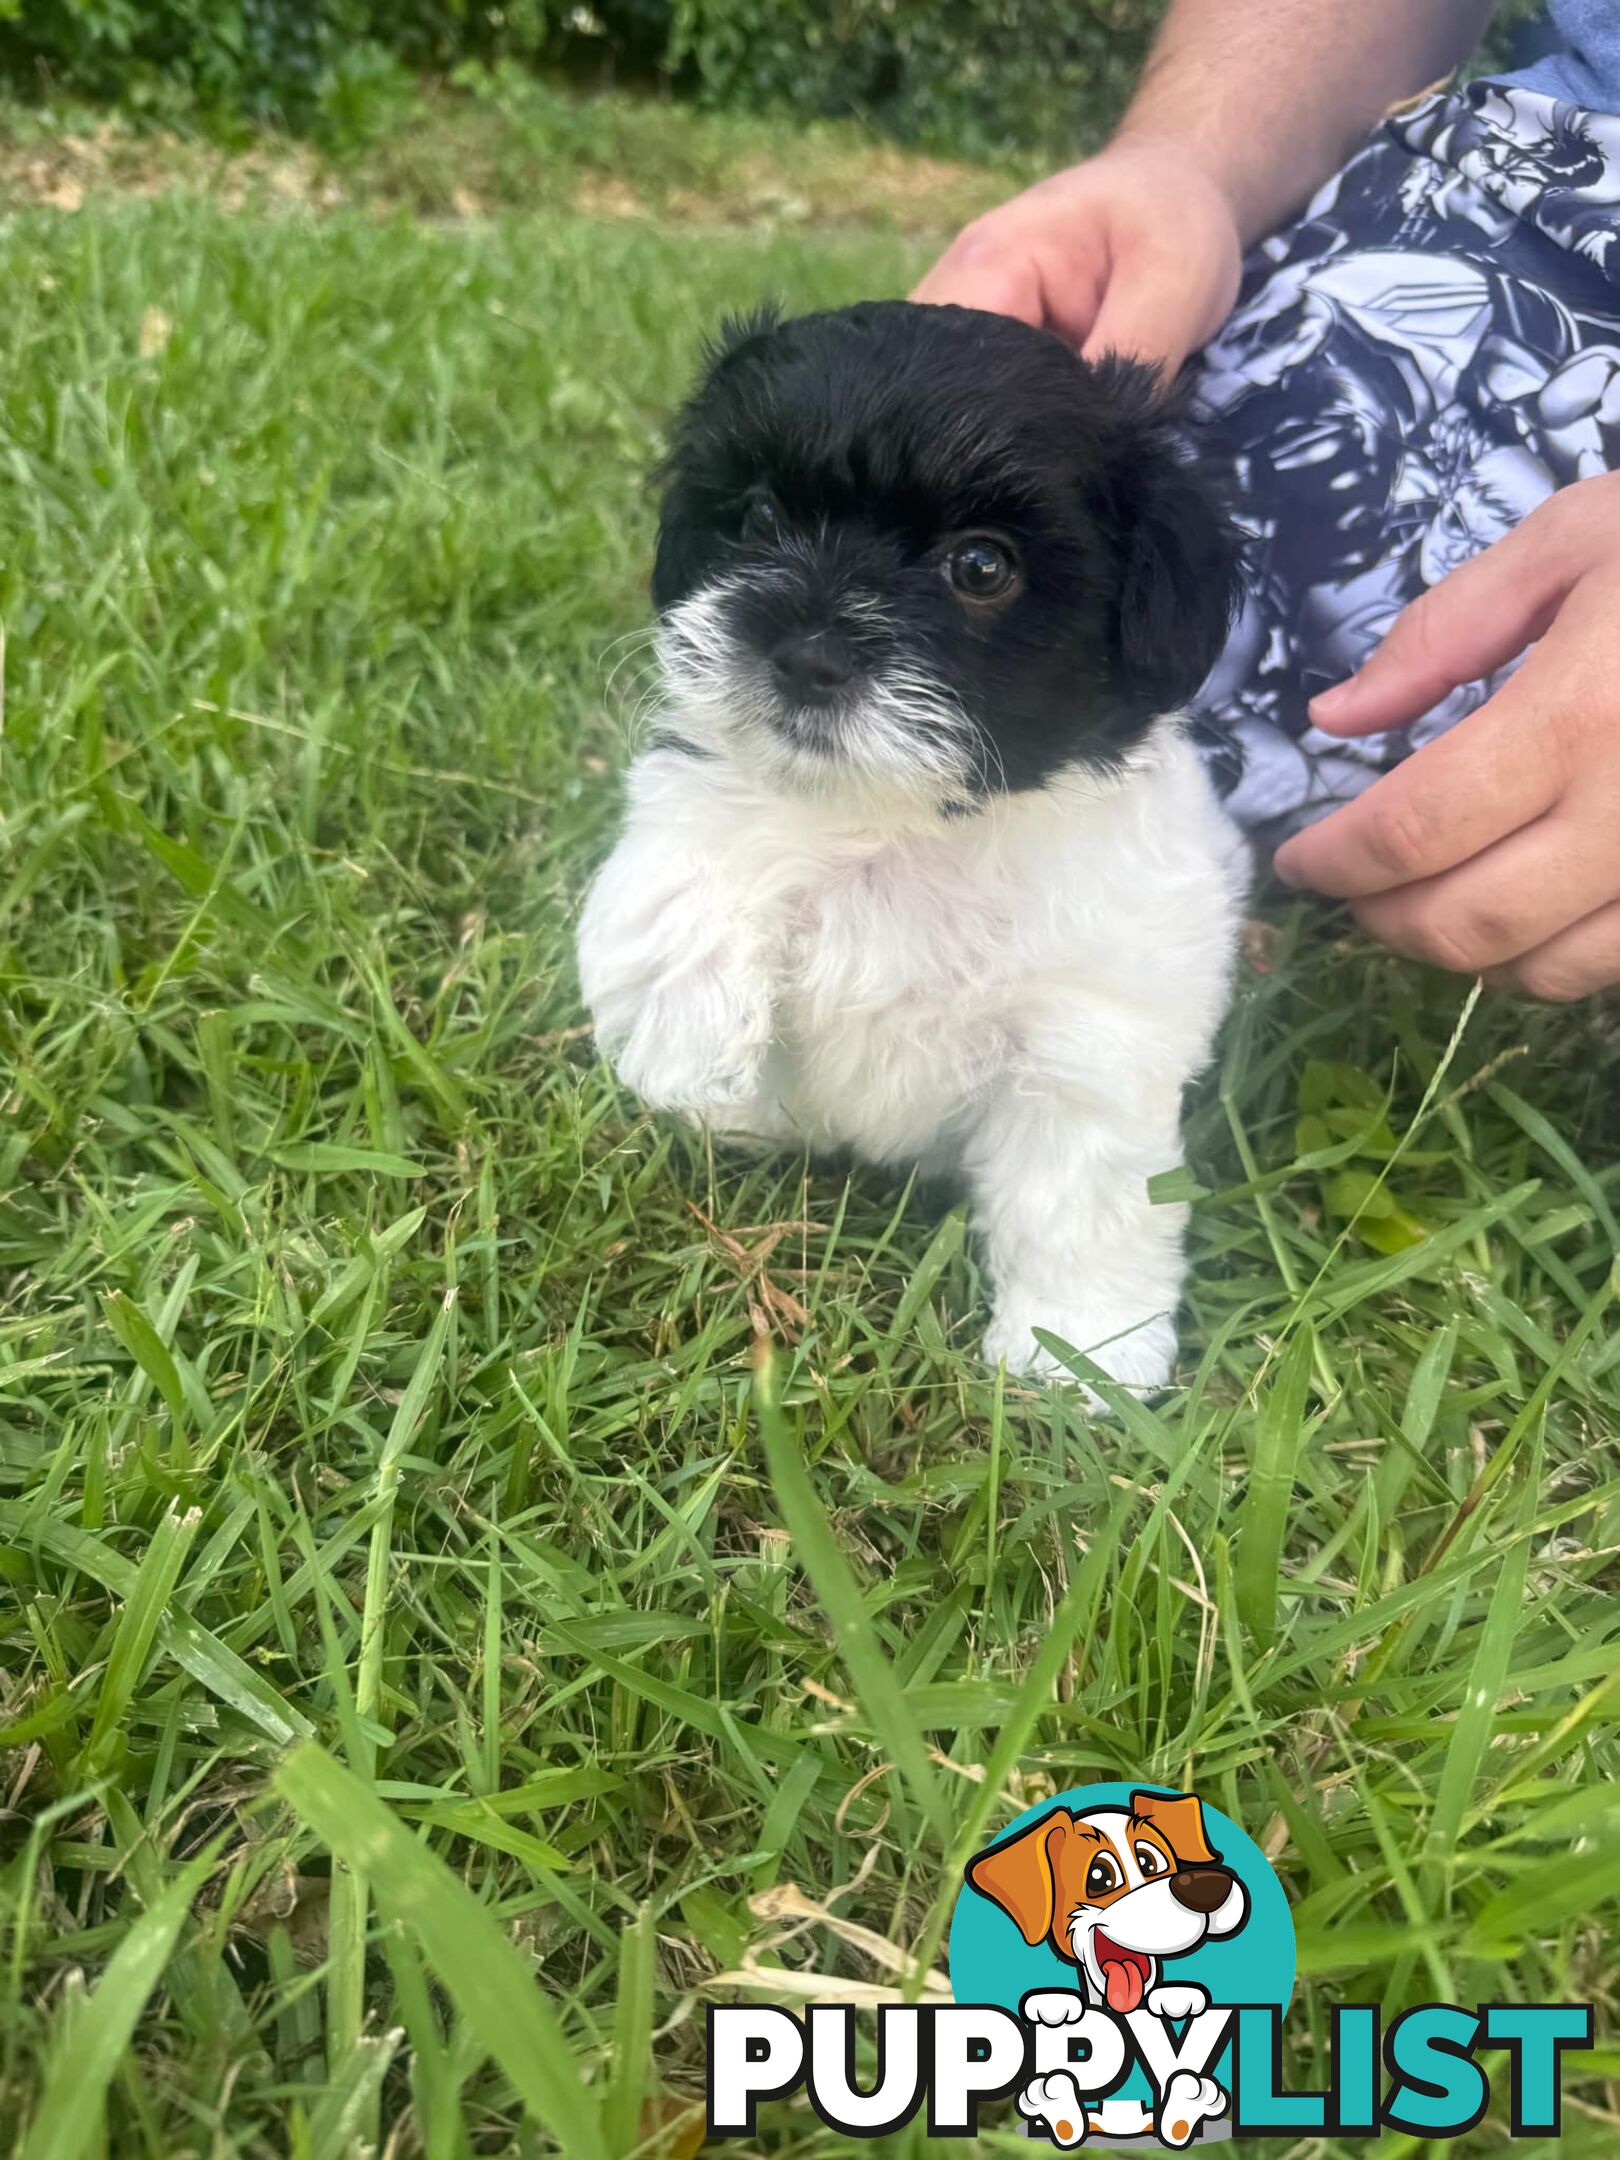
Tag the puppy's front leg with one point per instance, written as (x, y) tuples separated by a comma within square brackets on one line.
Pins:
[(675, 965), (1059, 1172)]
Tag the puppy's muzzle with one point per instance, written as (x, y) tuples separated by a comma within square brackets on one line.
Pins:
[(1201, 1890)]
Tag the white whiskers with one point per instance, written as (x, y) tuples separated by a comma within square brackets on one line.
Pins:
[(903, 737)]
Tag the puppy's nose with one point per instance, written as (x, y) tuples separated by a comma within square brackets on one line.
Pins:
[(812, 666), (1200, 1889)]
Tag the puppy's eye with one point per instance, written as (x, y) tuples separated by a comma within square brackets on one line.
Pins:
[(1102, 1876), (1151, 1861), (981, 568), (761, 520)]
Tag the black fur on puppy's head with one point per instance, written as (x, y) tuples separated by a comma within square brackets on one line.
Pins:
[(930, 550)]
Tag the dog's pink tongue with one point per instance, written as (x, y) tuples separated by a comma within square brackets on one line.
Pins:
[(1123, 1980)]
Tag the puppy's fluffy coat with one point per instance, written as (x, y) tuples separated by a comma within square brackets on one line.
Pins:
[(920, 862)]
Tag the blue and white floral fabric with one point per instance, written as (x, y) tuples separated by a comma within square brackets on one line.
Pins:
[(1424, 357)]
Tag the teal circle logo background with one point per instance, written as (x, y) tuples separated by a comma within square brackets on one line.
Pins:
[(990, 1962)]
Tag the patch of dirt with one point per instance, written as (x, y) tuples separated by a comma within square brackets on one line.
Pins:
[(603, 195), (871, 184), (911, 186), (61, 172)]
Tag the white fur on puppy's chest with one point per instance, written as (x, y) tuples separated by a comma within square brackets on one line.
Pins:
[(1019, 993), (894, 1018)]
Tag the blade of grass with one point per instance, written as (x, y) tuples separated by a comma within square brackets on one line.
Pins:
[(341, 2121), (190, 1644), (492, 1988), (136, 1632), (882, 1698), (1476, 1717), (632, 2037), (79, 2071), (346, 1998), (147, 1347), (943, 1248), (1036, 1694), (1279, 1437)]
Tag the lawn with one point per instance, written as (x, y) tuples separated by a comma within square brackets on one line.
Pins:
[(374, 1375)]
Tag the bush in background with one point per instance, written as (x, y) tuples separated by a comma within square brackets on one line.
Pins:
[(303, 64), (965, 76), (969, 77)]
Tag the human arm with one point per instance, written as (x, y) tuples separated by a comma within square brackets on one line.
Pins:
[(1496, 848), (1244, 108)]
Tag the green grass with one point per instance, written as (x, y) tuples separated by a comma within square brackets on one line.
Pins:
[(372, 1372), (507, 140)]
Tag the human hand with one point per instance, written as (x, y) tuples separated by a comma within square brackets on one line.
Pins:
[(1135, 251), (1495, 850)]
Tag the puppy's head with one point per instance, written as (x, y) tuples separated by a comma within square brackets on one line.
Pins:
[(1116, 1890), (929, 552)]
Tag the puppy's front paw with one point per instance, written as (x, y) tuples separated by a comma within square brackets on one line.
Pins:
[(1142, 1357), (703, 1081), (1056, 2101), (1178, 1999), (698, 1045), (678, 985), (1188, 2101), (1053, 2006)]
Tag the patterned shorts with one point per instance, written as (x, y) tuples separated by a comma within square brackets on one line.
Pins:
[(1411, 368)]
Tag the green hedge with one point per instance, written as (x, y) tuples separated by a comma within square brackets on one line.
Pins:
[(972, 76), (964, 75), (294, 61)]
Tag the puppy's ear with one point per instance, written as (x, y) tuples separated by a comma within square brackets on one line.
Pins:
[(737, 333), (685, 543), (1180, 1818), (1177, 554), (681, 553), (1021, 1875)]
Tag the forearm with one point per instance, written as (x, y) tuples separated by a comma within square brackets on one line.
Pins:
[(1271, 96)]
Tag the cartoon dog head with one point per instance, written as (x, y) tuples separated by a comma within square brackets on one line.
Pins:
[(1116, 1890)]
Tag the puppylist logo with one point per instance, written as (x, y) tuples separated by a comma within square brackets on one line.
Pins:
[(1122, 1925), (1121, 1959)]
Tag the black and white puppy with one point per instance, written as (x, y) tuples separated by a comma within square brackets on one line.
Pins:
[(919, 862)]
